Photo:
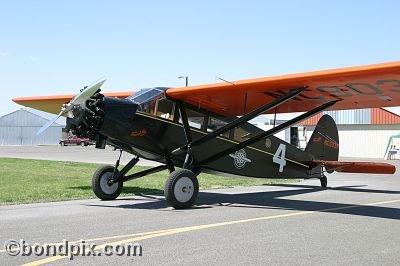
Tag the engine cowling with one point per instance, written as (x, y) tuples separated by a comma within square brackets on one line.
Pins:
[(102, 117)]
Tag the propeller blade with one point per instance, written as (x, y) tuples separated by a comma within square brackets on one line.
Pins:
[(87, 93), (49, 123), (79, 99)]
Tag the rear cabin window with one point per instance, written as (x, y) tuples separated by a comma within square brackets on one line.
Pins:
[(209, 123), (215, 123), (239, 134)]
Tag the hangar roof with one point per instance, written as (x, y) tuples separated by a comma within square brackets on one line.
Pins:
[(370, 116), (28, 118)]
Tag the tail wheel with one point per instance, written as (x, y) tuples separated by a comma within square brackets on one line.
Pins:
[(181, 189), (324, 181), (101, 186)]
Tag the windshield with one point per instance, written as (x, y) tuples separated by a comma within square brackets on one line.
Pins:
[(147, 95)]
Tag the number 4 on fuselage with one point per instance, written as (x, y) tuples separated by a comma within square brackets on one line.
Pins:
[(279, 157)]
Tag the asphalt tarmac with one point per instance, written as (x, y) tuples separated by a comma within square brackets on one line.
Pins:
[(356, 221)]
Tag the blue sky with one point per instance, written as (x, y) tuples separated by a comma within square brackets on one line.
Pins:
[(57, 47)]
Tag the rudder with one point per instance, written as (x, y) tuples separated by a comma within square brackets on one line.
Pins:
[(324, 142)]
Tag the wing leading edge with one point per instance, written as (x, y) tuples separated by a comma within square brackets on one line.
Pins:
[(53, 104)]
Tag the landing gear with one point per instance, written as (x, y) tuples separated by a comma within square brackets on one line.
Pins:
[(102, 186), (181, 189), (324, 181), (107, 181)]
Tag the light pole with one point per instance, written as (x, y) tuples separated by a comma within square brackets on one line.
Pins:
[(186, 79)]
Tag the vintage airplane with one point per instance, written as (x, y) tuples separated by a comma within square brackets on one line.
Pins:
[(205, 128)]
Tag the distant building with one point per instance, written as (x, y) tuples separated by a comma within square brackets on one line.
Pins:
[(294, 135), (20, 127), (363, 133)]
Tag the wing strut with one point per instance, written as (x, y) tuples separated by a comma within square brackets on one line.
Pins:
[(293, 93), (267, 133)]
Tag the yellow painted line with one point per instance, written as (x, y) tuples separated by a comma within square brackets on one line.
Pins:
[(208, 226), (382, 202)]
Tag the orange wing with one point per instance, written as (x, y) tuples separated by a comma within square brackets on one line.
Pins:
[(356, 87), (53, 104)]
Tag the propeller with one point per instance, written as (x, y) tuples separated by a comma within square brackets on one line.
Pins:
[(79, 99)]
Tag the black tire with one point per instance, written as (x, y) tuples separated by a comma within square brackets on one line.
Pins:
[(181, 189), (83, 144), (100, 186), (324, 181), (62, 143)]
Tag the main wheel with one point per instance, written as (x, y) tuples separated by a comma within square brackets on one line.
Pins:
[(83, 144), (324, 181), (101, 188), (181, 189)]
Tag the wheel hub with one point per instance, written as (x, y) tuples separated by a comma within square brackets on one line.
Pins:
[(106, 186), (183, 189)]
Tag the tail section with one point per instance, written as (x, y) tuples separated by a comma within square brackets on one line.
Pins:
[(324, 142), (324, 148)]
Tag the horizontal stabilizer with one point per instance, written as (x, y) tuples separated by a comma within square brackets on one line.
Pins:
[(357, 167)]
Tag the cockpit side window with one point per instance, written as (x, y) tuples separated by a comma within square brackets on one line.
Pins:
[(148, 108), (146, 95), (195, 119), (147, 99), (165, 109)]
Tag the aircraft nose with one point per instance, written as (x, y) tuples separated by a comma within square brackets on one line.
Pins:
[(117, 121), (102, 114)]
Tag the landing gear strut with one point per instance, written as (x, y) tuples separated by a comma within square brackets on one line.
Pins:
[(182, 187)]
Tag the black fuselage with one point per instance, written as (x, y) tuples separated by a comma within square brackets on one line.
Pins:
[(154, 138)]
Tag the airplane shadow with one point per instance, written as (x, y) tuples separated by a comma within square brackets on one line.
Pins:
[(130, 189), (359, 188), (277, 200)]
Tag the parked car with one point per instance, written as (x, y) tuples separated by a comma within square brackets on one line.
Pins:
[(74, 140)]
